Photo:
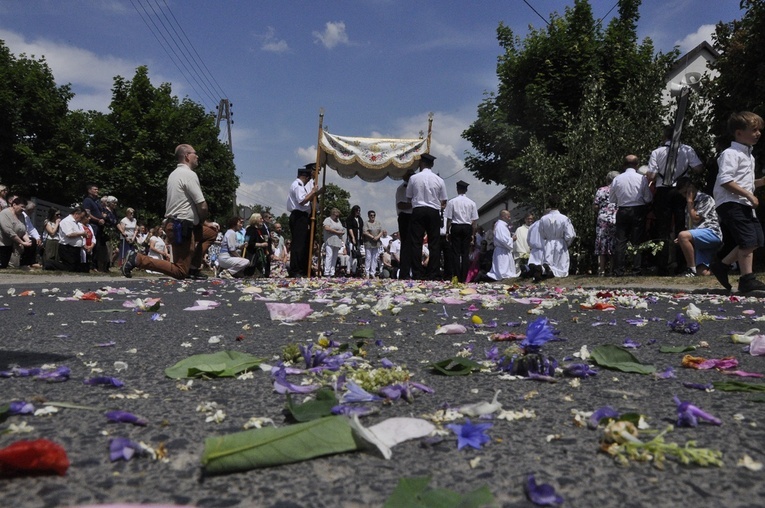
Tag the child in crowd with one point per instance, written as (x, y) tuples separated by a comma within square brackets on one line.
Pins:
[(736, 202)]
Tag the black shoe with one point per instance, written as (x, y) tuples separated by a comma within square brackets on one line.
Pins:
[(688, 273), (749, 283), (128, 265), (196, 274), (720, 272)]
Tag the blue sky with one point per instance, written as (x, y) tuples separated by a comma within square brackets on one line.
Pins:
[(377, 67)]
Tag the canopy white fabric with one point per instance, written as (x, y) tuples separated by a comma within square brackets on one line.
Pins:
[(371, 159)]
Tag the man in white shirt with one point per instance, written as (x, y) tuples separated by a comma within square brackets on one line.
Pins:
[(71, 239), (631, 194), (668, 204), (302, 192), (428, 194), (186, 224), (461, 223)]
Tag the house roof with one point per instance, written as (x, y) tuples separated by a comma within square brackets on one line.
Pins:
[(684, 60)]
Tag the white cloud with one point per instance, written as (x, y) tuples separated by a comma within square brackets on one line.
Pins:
[(690, 41), (333, 35), (271, 43), (91, 75)]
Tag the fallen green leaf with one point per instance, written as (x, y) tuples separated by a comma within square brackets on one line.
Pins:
[(272, 446), (317, 408), (363, 333), (618, 358), (456, 366), (414, 493), (738, 386), (676, 349), (221, 364)]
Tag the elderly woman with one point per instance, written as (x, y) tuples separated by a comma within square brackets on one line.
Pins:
[(13, 231), (605, 227), (333, 240), (128, 229), (230, 260), (257, 250)]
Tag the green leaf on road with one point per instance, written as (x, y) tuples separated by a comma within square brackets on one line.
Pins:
[(221, 364), (618, 358), (456, 366), (414, 493), (319, 407), (272, 446)]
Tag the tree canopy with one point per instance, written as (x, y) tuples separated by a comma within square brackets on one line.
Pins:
[(51, 153), (573, 100)]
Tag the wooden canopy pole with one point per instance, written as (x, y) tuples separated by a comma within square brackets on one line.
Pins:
[(316, 171), (430, 128)]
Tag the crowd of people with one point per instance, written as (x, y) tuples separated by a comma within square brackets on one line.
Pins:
[(658, 206), (437, 238)]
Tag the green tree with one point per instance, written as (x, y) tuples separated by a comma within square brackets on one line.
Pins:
[(35, 156), (135, 153), (573, 100), (741, 64)]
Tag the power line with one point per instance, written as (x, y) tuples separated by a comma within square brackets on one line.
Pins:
[(536, 12), (199, 58), (196, 71), (174, 57)]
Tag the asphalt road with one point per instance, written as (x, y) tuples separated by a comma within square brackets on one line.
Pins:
[(49, 326)]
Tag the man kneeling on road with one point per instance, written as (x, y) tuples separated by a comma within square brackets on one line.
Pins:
[(186, 224)]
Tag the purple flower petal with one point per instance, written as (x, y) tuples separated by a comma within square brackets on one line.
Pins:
[(668, 373), (387, 364), (630, 344), (541, 495), (471, 434), (356, 393), (538, 333), (104, 380), (57, 375), (117, 416), (122, 448), (20, 407), (699, 386), (600, 414), (582, 370), (349, 411), (688, 414)]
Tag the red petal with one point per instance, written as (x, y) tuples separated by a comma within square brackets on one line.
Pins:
[(39, 456), (90, 295)]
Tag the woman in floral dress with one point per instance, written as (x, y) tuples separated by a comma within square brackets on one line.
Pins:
[(605, 224)]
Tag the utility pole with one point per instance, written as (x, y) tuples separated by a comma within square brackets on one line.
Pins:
[(224, 111)]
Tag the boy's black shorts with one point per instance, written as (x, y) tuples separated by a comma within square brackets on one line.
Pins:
[(743, 225)]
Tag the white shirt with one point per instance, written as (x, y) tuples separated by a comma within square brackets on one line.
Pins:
[(686, 158), (736, 165), (401, 198), (68, 226), (183, 194), (461, 210), (630, 189), (395, 249), (31, 229), (298, 192), (426, 189)]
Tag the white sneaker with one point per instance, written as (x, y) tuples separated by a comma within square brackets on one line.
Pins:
[(225, 274)]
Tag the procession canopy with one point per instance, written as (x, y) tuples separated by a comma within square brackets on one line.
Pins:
[(371, 159)]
